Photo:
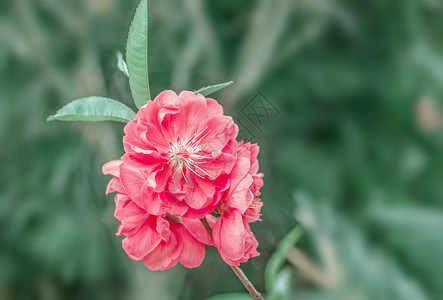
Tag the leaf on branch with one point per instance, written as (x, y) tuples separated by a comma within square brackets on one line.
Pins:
[(121, 64), (206, 91), (137, 56), (93, 109)]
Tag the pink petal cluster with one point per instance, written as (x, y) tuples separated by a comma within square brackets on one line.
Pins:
[(182, 163)]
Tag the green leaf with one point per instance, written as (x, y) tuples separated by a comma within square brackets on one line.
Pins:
[(232, 296), (282, 284), (121, 64), (278, 258), (137, 56), (205, 91), (94, 109)]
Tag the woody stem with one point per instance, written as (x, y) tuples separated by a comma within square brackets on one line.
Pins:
[(248, 285)]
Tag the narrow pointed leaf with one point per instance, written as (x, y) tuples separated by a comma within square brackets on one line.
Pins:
[(205, 91), (94, 109), (137, 56), (121, 64), (278, 258)]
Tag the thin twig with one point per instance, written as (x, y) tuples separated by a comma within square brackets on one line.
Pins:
[(248, 285)]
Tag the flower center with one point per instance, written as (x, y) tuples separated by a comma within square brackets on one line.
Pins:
[(253, 213), (187, 154)]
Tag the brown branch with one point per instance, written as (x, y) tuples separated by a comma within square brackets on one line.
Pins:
[(248, 285)]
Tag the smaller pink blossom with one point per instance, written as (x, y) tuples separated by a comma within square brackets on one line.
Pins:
[(239, 206), (233, 238)]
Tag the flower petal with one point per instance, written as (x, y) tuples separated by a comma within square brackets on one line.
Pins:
[(242, 196), (196, 228), (229, 234), (132, 181), (165, 255), (114, 185), (143, 241), (132, 217), (214, 108), (193, 251), (112, 167)]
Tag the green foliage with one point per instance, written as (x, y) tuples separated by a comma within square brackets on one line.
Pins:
[(355, 268), (94, 109), (231, 297), (121, 64), (208, 90), (282, 289), (137, 56), (410, 230), (278, 258)]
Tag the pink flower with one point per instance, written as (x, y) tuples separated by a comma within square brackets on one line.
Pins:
[(239, 206), (182, 163), (160, 241), (179, 151)]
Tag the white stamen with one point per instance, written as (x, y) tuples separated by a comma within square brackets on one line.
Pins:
[(188, 153)]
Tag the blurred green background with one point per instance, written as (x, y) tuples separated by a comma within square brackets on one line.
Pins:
[(355, 156)]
